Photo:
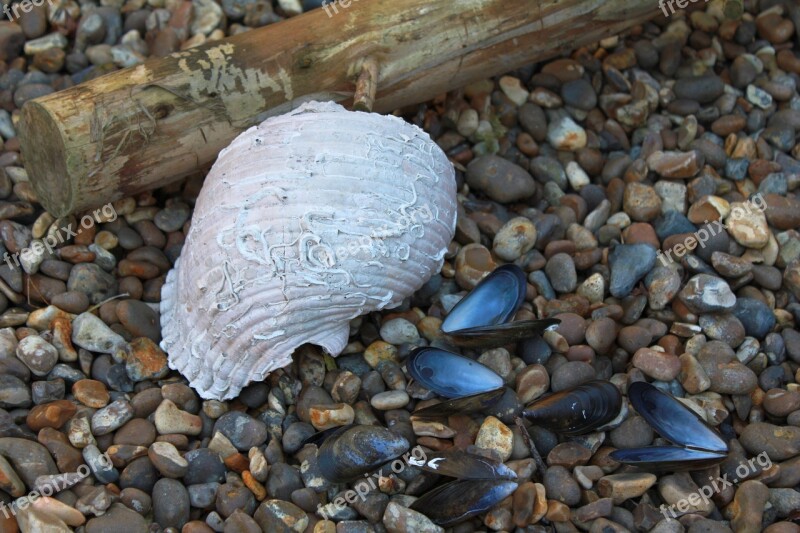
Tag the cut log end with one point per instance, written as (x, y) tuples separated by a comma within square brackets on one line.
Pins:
[(42, 145)]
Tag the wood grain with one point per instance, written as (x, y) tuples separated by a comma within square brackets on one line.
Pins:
[(146, 126)]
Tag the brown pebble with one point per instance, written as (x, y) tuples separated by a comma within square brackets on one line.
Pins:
[(91, 393), (53, 414)]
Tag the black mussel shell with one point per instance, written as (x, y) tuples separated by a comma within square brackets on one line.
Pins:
[(492, 336), (463, 465), (481, 318), (667, 458), (464, 405), (579, 410), (673, 420), (458, 500), (321, 436), (493, 301), (354, 451), (449, 374)]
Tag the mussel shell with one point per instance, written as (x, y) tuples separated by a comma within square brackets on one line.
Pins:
[(464, 405), (493, 301), (578, 410), (321, 436), (449, 374), (463, 465), (354, 451), (458, 500), (667, 458), (674, 421), (499, 335)]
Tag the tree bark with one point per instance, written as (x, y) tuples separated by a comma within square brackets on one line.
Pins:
[(148, 125)]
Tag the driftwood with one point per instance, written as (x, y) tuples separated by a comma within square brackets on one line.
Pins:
[(149, 125)]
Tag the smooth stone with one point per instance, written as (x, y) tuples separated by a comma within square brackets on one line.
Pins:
[(629, 263)]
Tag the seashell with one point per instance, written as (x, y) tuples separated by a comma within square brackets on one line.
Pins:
[(463, 465), (667, 458), (449, 374), (456, 501), (463, 405), (304, 222), (696, 444), (578, 410), (481, 318), (355, 450)]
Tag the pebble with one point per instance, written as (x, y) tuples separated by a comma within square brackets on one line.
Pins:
[(779, 442), (641, 202), (675, 165), (242, 430), (111, 417), (278, 515), (329, 416), (748, 226), (566, 134), (500, 179), (170, 419), (703, 89), (494, 435), (90, 333), (399, 331), (580, 94), (514, 239), (117, 518), (748, 506), (170, 503), (658, 365), (93, 281), (704, 293), (397, 518), (388, 400), (629, 263), (756, 317), (143, 359), (51, 415), (560, 270), (139, 319), (37, 354), (560, 486)]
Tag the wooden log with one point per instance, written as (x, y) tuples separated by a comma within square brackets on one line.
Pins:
[(148, 125)]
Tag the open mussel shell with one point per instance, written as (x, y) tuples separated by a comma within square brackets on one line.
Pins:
[(353, 451), (667, 458), (697, 445), (464, 405), (481, 318), (674, 421), (449, 374), (579, 410), (493, 301), (458, 500), (463, 465)]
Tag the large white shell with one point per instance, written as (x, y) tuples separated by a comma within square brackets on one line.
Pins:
[(304, 222)]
